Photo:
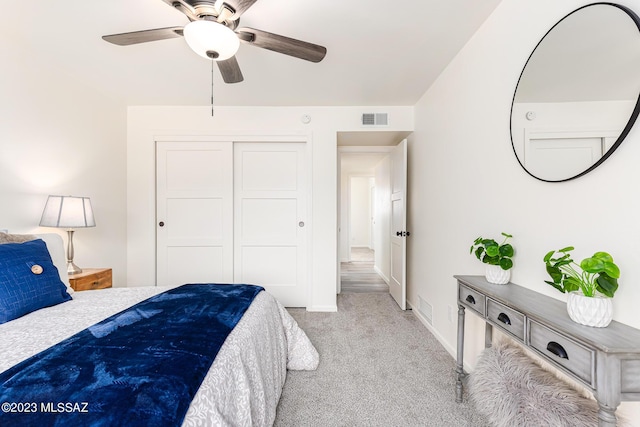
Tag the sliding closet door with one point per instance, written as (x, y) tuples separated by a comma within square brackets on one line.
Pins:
[(270, 219), (194, 209)]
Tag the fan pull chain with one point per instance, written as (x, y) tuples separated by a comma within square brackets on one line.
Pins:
[(211, 88)]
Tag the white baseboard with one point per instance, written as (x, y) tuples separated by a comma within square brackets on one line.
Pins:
[(323, 308), (377, 270), (441, 340)]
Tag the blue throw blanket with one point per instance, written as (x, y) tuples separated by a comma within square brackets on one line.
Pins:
[(140, 367)]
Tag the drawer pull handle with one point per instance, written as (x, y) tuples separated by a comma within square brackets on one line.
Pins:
[(504, 319), (557, 349), (470, 299)]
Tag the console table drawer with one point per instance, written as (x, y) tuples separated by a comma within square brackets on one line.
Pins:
[(506, 318), (563, 351), (472, 299)]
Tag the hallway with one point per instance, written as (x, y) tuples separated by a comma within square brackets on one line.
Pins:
[(359, 275)]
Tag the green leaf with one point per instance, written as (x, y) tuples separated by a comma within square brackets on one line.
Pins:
[(612, 270), (567, 249), (603, 256), (607, 285), (555, 274), (563, 261), (506, 250), (506, 263), (493, 250), (567, 257), (479, 252), (548, 256), (555, 285), (592, 265), (506, 234), (491, 260), (571, 284)]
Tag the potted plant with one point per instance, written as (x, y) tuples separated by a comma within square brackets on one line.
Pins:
[(496, 256), (590, 285)]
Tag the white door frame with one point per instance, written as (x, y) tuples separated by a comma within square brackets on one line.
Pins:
[(302, 137), (350, 150)]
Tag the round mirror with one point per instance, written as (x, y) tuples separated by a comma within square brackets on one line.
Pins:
[(578, 94)]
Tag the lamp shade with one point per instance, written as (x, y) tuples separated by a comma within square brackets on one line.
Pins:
[(211, 40), (67, 212)]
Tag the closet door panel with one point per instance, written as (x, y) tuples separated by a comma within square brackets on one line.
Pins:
[(270, 233), (194, 212)]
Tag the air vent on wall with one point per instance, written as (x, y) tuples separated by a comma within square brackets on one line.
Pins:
[(426, 309), (375, 119)]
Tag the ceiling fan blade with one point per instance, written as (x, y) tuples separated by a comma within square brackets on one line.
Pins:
[(144, 36), (230, 70), (281, 44), (239, 6)]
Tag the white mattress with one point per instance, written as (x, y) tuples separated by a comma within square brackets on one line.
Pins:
[(242, 387)]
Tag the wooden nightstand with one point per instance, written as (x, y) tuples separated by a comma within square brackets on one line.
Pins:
[(91, 278)]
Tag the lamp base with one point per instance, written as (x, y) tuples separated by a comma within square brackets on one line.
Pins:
[(72, 268)]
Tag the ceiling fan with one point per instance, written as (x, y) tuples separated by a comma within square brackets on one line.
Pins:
[(213, 33)]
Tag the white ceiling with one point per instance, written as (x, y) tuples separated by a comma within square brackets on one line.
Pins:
[(371, 138), (379, 52), (360, 163)]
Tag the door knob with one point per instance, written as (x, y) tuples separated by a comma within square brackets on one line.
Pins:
[(301, 224), (161, 223)]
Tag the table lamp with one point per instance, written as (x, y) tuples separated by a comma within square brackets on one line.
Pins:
[(68, 212)]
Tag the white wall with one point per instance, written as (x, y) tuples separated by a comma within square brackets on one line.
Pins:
[(464, 181), (147, 123), (382, 228), (60, 137), (360, 211)]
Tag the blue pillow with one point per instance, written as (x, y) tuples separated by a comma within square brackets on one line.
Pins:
[(28, 280)]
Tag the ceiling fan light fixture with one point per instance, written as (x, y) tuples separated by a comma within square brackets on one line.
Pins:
[(208, 37)]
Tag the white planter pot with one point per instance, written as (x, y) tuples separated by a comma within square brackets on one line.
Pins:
[(590, 311), (495, 274)]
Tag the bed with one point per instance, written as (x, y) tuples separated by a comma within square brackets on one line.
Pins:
[(243, 384)]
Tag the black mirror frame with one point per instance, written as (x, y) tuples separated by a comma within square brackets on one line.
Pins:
[(632, 118)]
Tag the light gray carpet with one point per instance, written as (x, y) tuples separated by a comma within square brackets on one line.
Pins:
[(379, 366)]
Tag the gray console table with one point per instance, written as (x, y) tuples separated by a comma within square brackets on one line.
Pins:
[(606, 360)]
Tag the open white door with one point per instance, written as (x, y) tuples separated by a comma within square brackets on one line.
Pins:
[(397, 283)]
